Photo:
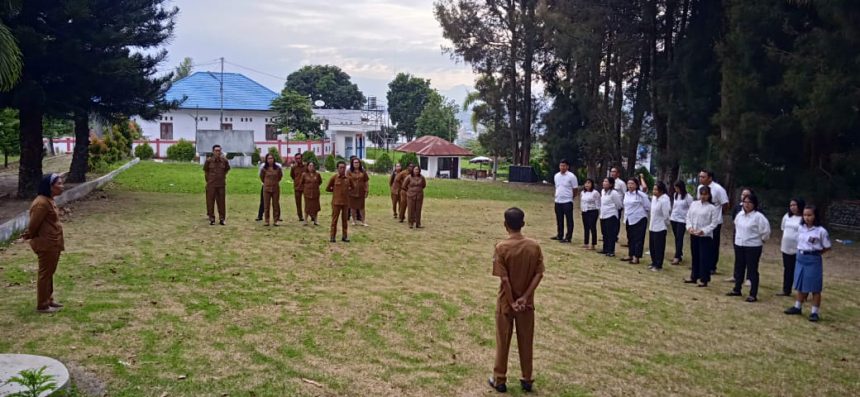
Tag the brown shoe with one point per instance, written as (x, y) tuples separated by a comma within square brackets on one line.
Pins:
[(48, 310), (55, 304)]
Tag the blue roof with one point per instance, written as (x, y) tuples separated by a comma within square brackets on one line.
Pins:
[(202, 90)]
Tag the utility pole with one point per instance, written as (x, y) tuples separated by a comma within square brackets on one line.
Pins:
[(221, 126)]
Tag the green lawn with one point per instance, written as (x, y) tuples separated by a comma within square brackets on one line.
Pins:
[(158, 303)]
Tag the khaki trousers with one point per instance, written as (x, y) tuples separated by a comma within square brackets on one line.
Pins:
[(402, 205), (272, 199), (298, 195), (414, 205), (48, 261), (219, 195), (395, 201), (525, 323), (339, 211)]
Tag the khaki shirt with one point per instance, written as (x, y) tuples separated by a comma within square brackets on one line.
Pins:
[(519, 259), (45, 231), (360, 183), (310, 183), (296, 172), (414, 185), (215, 170), (401, 176), (340, 186), (271, 177)]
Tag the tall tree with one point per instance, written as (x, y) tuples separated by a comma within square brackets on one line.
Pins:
[(438, 118), (407, 96), (9, 144), (295, 114), (10, 59), (328, 83), (184, 69)]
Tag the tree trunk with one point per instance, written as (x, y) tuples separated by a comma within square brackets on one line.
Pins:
[(30, 164), (51, 146), (635, 132), (78, 170)]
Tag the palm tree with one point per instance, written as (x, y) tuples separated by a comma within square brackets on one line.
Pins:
[(10, 59)]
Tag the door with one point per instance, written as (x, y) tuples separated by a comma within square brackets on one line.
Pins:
[(348, 147), (226, 126), (167, 131), (271, 132)]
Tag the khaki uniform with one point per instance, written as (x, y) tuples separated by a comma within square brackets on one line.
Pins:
[(310, 183), (414, 186), (215, 170), (45, 233), (394, 184), (271, 178), (340, 186), (519, 259), (296, 172), (402, 175), (360, 183)]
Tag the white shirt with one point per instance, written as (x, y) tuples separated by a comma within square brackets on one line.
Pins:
[(661, 208), (620, 186), (564, 185), (815, 238), (680, 208), (751, 229), (704, 217), (790, 227), (589, 201), (610, 203), (718, 196), (636, 206)]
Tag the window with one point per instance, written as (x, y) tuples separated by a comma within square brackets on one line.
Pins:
[(166, 131), (271, 132), (226, 126), (423, 163)]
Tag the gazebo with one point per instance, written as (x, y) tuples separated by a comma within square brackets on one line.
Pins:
[(437, 157)]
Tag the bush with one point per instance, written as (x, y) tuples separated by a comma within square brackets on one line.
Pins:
[(383, 164), (310, 157), (330, 163), (255, 157), (112, 149), (274, 152), (144, 151), (408, 158), (649, 179), (181, 151)]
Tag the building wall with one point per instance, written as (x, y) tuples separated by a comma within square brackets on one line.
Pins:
[(183, 121)]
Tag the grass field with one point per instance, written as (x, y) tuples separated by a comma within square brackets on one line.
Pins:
[(158, 303)]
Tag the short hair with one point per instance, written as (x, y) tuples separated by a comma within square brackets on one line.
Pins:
[(215, 146), (753, 199), (611, 181), (586, 182), (515, 218), (341, 162), (708, 172), (815, 212), (299, 154), (634, 180), (800, 206), (615, 168), (565, 162)]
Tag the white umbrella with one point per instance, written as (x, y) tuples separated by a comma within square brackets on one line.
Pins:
[(481, 159)]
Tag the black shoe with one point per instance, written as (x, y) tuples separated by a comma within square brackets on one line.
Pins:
[(258, 219), (499, 388), (814, 317), (751, 299), (565, 241), (703, 285), (793, 310), (557, 238), (345, 240), (334, 240), (688, 281), (782, 294), (221, 222), (611, 255), (526, 385), (601, 252), (301, 219), (733, 293), (211, 223)]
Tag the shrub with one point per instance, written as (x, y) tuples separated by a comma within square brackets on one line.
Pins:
[(310, 157), (181, 151), (649, 179), (408, 158), (144, 151), (330, 163), (274, 152), (383, 164), (255, 157)]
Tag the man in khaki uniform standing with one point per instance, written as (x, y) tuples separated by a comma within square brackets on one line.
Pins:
[(215, 170), (340, 186), (518, 262), (296, 171), (394, 184), (403, 199)]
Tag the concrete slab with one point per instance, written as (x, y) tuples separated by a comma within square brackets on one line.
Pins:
[(12, 364)]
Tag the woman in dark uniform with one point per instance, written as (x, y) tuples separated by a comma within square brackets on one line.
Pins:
[(311, 181), (271, 175), (45, 233), (357, 196), (415, 184)]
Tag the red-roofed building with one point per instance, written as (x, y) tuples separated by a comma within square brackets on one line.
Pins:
[(437, 157)]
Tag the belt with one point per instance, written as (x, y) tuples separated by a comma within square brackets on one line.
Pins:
[(814, 253)]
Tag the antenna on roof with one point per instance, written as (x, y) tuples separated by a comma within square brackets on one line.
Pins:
[(222, 93)]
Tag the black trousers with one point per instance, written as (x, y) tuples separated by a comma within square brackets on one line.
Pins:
[(260, 211), (716, 258), (746, 263), (609, 228), (702, 250), (788, 263), (564, 211), (679, 230), (657, 245), (636, 238), (589, 223)]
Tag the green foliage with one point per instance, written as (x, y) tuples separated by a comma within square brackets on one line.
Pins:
[(181, 151), (383, 164), (113, 148), (10, 143), (35, 382), (183, 70), (308, 156), (274, 152), (326, 82), (295, 114), (407, 97), (330, 163), (10, 59), (255, 157), (408, 158), (649, 179), (144, 151), (439, 118)]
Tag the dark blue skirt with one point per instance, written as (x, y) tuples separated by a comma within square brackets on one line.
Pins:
[(808, 273)]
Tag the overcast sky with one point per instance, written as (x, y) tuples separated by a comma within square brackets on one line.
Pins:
[(372, 40)]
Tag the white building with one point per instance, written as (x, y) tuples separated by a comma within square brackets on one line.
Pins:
[(437, 157)]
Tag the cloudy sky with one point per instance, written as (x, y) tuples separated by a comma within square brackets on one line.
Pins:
[(372, 40)]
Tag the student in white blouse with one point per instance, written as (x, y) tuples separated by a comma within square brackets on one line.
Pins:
[(661, 209), (636, 208), (751, 231), (610, 204), (720, 199), (812, 241), (589, 204), (790, 227), (702, 219), (678, 219)]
